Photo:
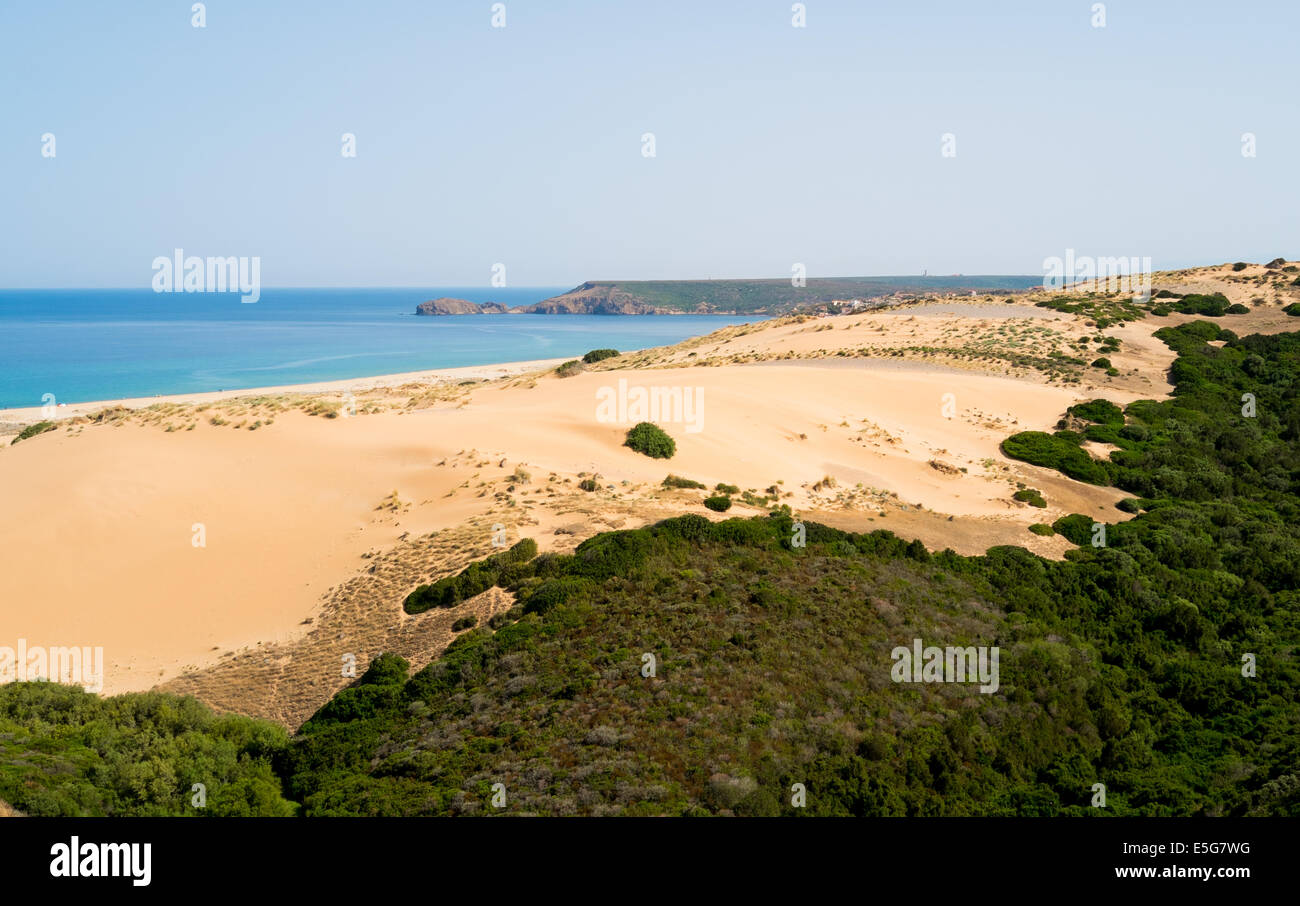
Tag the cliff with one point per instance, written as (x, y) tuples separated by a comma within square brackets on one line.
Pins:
[(594, 299), (449, 306)]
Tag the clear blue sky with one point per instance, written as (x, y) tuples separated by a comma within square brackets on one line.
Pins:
[(522, 145)]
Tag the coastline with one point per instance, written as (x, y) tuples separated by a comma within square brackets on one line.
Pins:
[(28, 414)]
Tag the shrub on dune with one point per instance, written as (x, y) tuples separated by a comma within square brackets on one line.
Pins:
[(651, 440)]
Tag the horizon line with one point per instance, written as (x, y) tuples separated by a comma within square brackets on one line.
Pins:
[(530, 286)]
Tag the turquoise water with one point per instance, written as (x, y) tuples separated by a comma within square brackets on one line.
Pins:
[(83, 345)]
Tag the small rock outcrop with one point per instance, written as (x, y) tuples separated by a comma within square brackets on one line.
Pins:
[(448, 306)]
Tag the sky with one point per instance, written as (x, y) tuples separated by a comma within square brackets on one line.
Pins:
[(774, 145)]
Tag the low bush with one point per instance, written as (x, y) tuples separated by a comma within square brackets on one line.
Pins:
[(1052, 452), (1076, 528), (597, 355), (1101, 411), (651, 440), (719, 504), (33, 430), (677, 481), (1212, 305), (386, 670)]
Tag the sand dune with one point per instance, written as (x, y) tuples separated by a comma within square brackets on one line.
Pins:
[(316, 527)]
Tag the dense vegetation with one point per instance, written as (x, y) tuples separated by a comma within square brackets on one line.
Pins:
[(599, 355), (65, 752), (1104, 310), (694, 667)]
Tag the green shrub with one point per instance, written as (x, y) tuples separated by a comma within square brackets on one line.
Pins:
[(1039, 528), (677, 481), (522, 551), (1101, 411), (587, 484), (1030, 496), (724, 488), (719, 504), (569, 368), (1104, 434), (1236, 308), (464, 623), (33, 430), (554, 592), (1101, 363), (386, 670), (1053, 452), (1294, 308), (1240, 266), (1212, 305), (597, 355), (1076, 528), (651, 440)]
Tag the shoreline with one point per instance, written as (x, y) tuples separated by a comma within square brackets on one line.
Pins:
[(26, 414)]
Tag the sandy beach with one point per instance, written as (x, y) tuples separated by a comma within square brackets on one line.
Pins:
[(354, 385)]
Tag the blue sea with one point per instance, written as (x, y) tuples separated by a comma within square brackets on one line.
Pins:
[(84, 345)]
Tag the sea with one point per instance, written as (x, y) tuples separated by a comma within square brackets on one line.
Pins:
[(82, 345)]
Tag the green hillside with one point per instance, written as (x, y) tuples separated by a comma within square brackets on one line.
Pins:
[(778, 295), (1121, 665)]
